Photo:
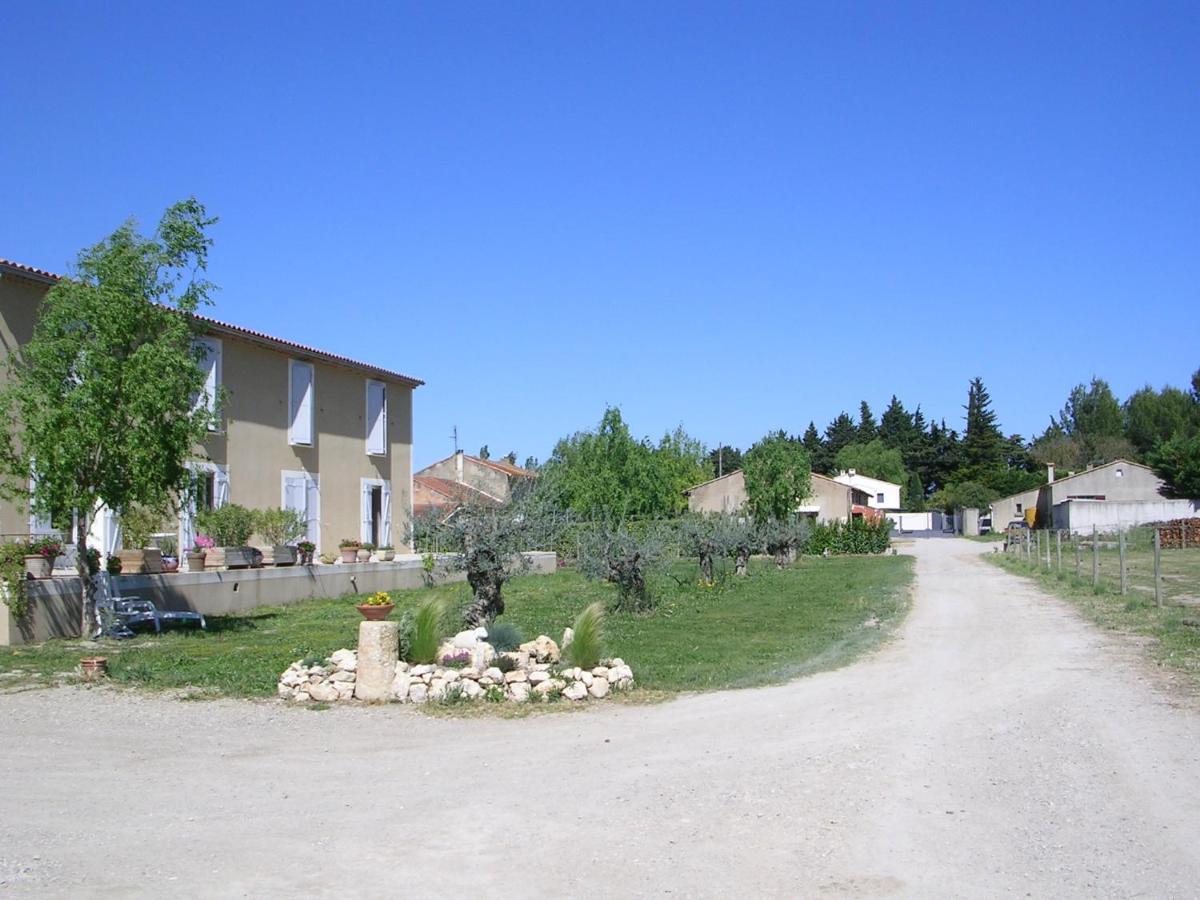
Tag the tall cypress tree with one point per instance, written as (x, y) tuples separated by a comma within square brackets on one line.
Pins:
[(983, 447), (841, 431), (867, 429), (815, 447)]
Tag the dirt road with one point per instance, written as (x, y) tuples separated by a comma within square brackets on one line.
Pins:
[(998, 746)]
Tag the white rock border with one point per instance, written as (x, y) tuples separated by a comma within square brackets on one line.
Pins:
[(535, 676)]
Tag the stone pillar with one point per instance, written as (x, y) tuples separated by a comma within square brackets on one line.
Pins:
[(378, 651)]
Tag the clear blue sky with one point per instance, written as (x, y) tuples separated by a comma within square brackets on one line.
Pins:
[(737, 217)]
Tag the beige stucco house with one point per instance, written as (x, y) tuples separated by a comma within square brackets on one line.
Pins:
[(828, 500), (301, 428)]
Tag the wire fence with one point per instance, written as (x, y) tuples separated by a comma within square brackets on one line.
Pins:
[(1160, 563)]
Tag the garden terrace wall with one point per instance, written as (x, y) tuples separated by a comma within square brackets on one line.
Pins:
[(54, 603)]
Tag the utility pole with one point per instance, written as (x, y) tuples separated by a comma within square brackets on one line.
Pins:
[(720, 460), (454, 435)]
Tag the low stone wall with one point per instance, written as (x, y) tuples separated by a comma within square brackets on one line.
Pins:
[(55, 604), (533, 675)]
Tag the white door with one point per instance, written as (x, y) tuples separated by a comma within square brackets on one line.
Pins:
[(301, 492), (376, 515)]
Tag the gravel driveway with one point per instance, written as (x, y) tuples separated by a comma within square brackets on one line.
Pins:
[(997, 746)]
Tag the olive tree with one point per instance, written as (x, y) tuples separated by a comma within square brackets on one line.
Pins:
[(744, 539), (615, 554), (784, 538), (105, 393)]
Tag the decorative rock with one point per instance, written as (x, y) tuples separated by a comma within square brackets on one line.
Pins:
[(568, 636), (400, 685), (301, 696), (471, 689), (378, 652), (482, 655), (587, 678), (543, 649), (515, 676), (285, 692), (617, 662), (599, 688), (536, 678), (421, 670), (341, 676), (437, 689), (519, 691), (345, 690), (575, 691), (323, 693), (467, 639), (600, 671), (551, 684), (450, 675), (418, 693), (493, 673), (469, 672), (402, 666), (347, 660)]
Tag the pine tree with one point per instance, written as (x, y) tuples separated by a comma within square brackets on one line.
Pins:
[(841, 432), (983, 446), (815, 447), (867, 429), (896, 426)]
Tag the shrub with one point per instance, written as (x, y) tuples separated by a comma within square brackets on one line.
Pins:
[(855, 536), (504, 637), (12, 578), (457, 660), (229, 526), (585, 647), (138, 524), (505, 663), (784, 538), (426, 631), (280, 527)]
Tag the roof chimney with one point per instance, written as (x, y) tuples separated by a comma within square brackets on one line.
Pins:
[(458, 466), (851, 473), (1049, 472)]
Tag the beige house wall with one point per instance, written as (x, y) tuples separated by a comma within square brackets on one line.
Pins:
[(20, 299), (1120, 481), (254, 445), (1006, 509), (482, 477)]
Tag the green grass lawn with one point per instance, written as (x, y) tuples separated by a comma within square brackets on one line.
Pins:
[(1174, 629), (767, 627)]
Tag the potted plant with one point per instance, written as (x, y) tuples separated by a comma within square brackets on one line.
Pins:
[(306, 550), (230, 527), (138, 525), (200, 548), (170, 553), (280, 528), (377, 607), (349, 549), (40, 555), (113, 564), (364, 552), (385, 553)]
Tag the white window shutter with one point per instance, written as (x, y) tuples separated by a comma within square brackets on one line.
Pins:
[(37, 524), (220, 486), (376, 417), (314, 510), (385, 527), (300, 395), (210, 366), (365, 490)]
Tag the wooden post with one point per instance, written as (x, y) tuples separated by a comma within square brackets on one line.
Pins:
[(1124, 567), (1058, 550), (1183, 535), (1048, 566), (1158, 593), (1095, 558), (1075, 541)]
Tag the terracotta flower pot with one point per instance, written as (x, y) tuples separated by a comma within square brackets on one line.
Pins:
[(349, 554), (375, 613), (94, 667)]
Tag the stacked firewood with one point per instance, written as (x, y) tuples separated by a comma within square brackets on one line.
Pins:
[(1180, 533)]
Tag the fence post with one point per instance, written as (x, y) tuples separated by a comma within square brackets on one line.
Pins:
[(1158, 596), (1183, 535), (1095, 558), (1124, 569), (1058, 549), (1075, 541), (1048, 565)]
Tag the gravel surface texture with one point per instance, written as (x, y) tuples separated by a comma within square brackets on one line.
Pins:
[(997, 746)]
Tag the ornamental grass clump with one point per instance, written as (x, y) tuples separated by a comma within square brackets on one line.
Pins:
[(588, 643), (426, 631), (504, 637)]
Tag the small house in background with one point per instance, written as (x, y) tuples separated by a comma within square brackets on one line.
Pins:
[(881, 495), (828, 501), (464, 479)]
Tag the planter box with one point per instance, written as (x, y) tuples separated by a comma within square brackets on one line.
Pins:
[(141, 562), (284, 555), (195, 561), (38, 566), (242, 557)]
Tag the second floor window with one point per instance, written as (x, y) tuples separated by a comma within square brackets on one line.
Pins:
[(300, 403)]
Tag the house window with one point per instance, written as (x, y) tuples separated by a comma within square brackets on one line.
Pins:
[(376, 418), (1018, 507), (879, 498), (210, 365), (300, 403), (1120, 472), (206, 491)]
